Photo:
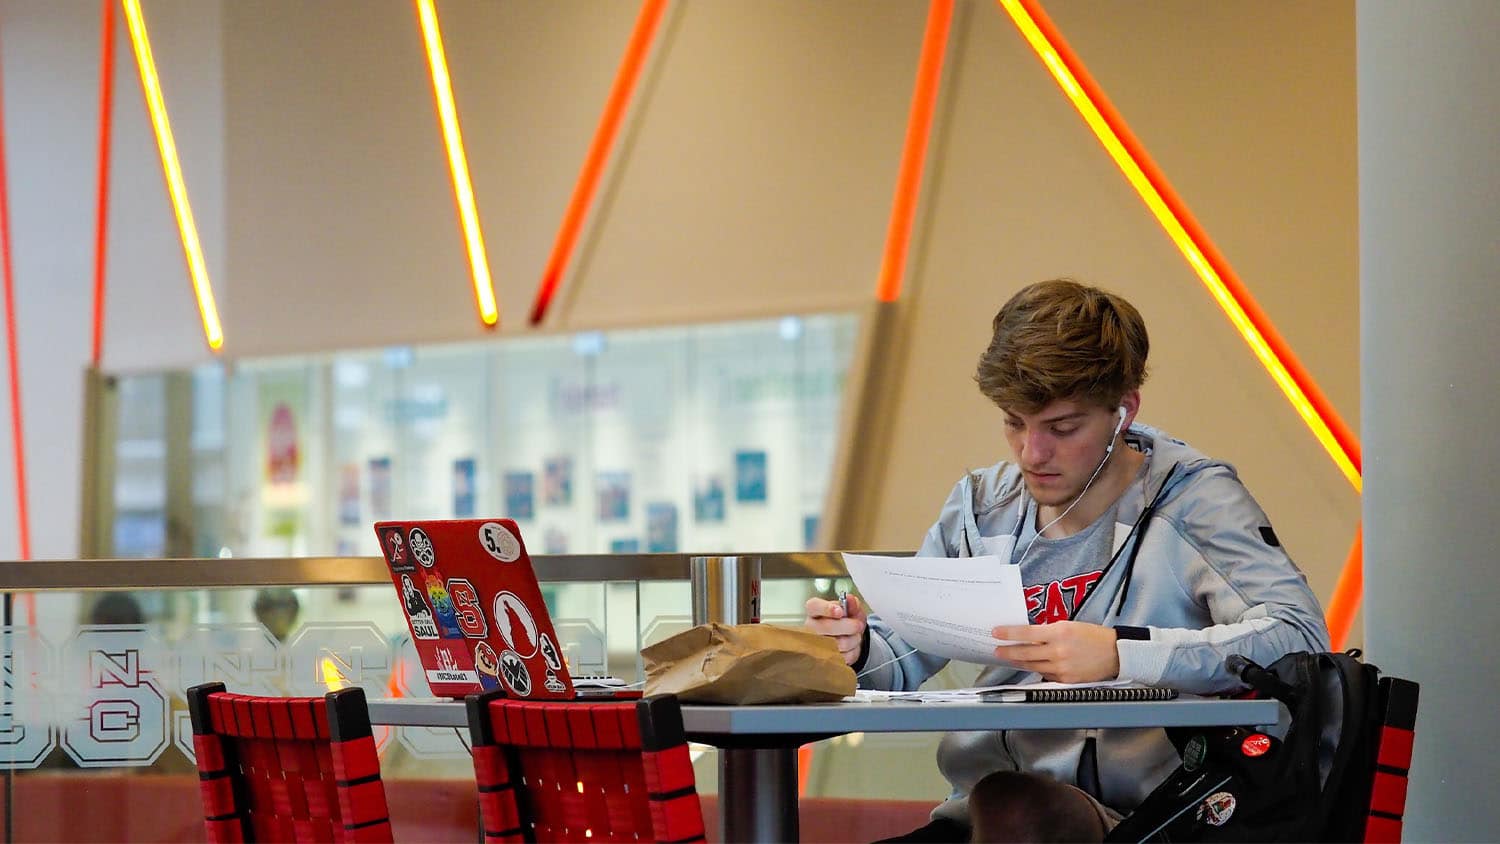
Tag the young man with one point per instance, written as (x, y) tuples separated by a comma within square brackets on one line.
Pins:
[(1141, 560)]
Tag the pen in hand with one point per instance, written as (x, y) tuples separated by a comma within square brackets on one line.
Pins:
[(844, 602)]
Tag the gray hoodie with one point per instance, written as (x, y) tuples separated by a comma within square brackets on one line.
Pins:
[(1208, 579)]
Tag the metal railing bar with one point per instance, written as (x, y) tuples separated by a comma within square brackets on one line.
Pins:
[(220, 573)]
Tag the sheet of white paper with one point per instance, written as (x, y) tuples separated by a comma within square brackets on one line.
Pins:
[(942, 605), (974, 693)]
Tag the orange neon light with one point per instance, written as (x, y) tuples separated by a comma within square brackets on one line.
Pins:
[(1346, 594), (1172, 213), (13, 355), (458, 163), (598, 155), (101, 217), (171, 167), (914, 154)]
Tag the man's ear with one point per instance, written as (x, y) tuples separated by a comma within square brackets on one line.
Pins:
[(1131, 401)]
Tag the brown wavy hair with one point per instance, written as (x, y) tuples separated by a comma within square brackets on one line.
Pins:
[(1062, 340)]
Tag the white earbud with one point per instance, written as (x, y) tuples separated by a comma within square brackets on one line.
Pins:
[(1121, 424)]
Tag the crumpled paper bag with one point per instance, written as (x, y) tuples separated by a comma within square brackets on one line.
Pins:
[(747, 664)]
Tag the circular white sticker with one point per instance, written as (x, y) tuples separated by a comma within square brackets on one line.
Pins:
[(499, 542), (1217, 809), (421, 547)]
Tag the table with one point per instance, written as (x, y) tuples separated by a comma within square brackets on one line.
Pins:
[(758, 744)]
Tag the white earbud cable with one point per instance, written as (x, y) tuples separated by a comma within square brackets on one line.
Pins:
[(1110, 449)]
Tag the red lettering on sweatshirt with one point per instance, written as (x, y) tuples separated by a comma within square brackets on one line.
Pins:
[(1059, 599)]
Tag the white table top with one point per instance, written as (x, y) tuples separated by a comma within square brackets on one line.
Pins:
[(703, 722)]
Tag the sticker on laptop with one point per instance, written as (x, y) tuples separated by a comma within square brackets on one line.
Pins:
[(499, 542), (516, 625), (395, 550), (421, 547), (442, 607), (553, 684), (466, 606), (488, 665), (422, 625), (549, 653), (513, 672), (1217, 809), (449, 670)]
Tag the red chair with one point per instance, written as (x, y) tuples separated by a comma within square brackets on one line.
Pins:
[(581, 771), (1388, 780), (287, 768)]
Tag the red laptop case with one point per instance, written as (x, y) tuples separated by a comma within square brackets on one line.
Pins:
[(475, 611)]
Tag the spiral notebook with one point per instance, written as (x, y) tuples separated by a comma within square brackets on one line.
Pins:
[(1039, 692), (1082, 694)]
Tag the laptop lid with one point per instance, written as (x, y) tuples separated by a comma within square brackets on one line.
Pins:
[(474, 608)]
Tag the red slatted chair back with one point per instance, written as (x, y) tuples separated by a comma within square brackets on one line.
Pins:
[(1387, 807), (583, 771), (287, 768)]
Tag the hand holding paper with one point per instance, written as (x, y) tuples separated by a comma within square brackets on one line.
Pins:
[(942, 605), (1065, 651)]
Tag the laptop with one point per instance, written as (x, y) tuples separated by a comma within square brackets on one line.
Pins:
[(475, 612)]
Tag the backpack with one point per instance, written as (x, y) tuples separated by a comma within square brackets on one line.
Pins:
[(1318, 782)]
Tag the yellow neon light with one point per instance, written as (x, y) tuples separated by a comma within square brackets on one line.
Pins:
[(332, 679), (1184, 242), (140, 42), (458, 164)]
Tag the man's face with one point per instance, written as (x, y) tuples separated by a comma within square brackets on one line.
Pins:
[(1059, 447)]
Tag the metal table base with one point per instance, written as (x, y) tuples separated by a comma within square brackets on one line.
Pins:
[(770, 776)]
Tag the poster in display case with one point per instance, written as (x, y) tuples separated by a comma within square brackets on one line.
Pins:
[(557, 480), (463, 487), (349, 494), (661, 527), (380, 487), (750, 476), (708, 499), (614, 496), (520, 497)]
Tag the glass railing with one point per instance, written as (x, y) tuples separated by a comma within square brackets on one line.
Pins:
[(97, 655)]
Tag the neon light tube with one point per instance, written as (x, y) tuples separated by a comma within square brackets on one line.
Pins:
[(458, 163), (598, 155), (140, 42), (914, 153)]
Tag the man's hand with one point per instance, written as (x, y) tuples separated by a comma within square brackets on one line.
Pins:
[(1064, 651), (827, 618)]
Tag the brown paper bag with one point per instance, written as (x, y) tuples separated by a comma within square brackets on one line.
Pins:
[(748, 663)]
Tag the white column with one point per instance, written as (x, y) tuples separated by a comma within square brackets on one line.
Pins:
[(1429, 180)]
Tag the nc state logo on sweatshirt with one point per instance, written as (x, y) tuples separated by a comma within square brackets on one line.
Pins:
[(1056, 601)]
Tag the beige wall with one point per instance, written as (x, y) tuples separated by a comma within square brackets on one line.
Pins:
[(1258, 139), (754, 177)]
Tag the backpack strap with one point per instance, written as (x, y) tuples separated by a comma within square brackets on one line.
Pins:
[(1353, 735)]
